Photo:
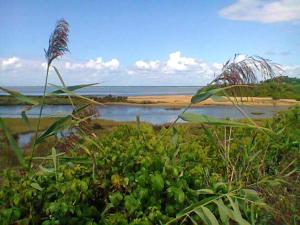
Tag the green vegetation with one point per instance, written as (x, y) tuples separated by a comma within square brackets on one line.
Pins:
[(17, 126), (141, 176), (212, 171), (60, 100), (278, 88), (283, 87)]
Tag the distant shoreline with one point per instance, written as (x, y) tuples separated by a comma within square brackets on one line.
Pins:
[(173, 101)]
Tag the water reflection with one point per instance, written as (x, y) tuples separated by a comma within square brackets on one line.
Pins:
[(154, 115)]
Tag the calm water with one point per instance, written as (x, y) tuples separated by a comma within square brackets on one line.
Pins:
[(154, 115), (116, 90)]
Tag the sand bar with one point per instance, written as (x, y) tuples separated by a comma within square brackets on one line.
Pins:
[(183, 100)]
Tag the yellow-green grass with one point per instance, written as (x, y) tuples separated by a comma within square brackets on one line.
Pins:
[(18, 126)]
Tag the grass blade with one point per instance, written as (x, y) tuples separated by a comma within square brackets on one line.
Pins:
[(205, 119), (203, 95), (63, 83), (237, 216), (56, 127), (223, 211), (20, 96), (59, 125), (36, 186), (17, 150), (209, 215), (64, 90), (71, 93)]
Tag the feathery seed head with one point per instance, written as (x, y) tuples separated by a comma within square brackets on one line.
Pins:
[(58, 41), (248, 70)]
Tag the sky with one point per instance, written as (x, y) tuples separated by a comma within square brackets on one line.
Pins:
[(139, 42)]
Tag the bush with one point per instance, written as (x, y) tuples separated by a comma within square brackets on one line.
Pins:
[(142, 178)]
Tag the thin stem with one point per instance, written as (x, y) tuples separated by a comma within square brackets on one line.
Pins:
[(239, 108), (39, 118), (175, 121)]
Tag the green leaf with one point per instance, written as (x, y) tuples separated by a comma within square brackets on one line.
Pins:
[(131, 204), (69, 91), (59, 76), (36, 186), (219, 186), (196, 205), (56, 127), (63, 83), (217, 98), (237, 216), (207, 216), (177, 193), (250, 194), (20, 96), (62, 90), (157, 182), (59, 125), (192, 220), (200, 213), (210, 120), (116, 198), (174, 136), (203, 95), (205, 191), (46, 170), (223, 211), (17, 150)]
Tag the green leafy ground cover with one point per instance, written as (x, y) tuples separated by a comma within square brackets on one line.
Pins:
[(139, 174)]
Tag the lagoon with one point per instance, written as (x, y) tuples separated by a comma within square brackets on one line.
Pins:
[(150, 114)]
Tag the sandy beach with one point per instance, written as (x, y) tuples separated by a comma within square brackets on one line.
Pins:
[(183, 100)]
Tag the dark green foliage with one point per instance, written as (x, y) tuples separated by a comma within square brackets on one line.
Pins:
[(141, 178), (60, 100), (277, 88)]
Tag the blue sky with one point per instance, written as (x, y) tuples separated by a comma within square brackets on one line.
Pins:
[(167, 42)]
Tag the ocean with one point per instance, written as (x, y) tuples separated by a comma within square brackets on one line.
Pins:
[(114, 90)]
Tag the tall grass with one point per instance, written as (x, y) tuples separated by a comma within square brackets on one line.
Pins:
[(58, 45)]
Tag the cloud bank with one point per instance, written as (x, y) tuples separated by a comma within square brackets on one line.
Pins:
[(272, 11), (175, 70)]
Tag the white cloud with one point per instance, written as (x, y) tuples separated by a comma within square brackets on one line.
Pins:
[(292, 70), (271, 11), (143, 65), (97, 64), (176, 62), (19, 71), (10, 63), (177, 69)]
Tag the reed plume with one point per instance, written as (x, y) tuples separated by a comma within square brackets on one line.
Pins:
[(58, 41), (249, 70), (58, 45)]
